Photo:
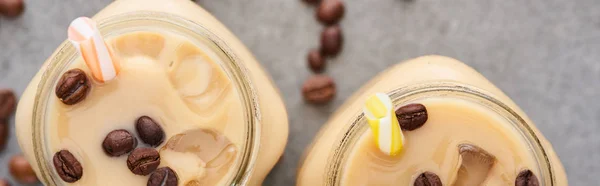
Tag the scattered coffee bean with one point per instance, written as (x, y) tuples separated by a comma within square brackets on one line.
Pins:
[(411, 116), (8, 103), (3, 134), (428, 179), (67, 166), (142, 161), (315, 61), (330, 11), (163, 177), (149, 131), (331, 41), (312, 1), (319, 89), (526, 178), (73, 87), (21, 170), (12, 8), (119, 142), (4, 182)]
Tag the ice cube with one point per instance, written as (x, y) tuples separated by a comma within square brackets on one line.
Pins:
[(193, 75), (475, 164), (201, 83), (212, 151), (139, 43)]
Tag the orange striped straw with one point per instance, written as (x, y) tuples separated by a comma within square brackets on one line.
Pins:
[(85, 36)]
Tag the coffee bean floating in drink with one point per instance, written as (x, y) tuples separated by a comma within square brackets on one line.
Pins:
[(8, 103), (67, 166), (119, 142), (330, 11), (331, 41), (526, 178), (149, 131), (21, 170), (164, 176), (428, 179), (411, 116), (142, 161), (316, 61), (319, 89), (73, 87)]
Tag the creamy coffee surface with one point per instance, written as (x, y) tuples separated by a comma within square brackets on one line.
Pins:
[(176, 83)]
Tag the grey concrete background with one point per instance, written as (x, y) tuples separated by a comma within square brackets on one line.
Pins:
[(543, 53)]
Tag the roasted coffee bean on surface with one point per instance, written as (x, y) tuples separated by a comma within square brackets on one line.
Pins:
[(526, 178), (142, 161), (319, 89), (316, 61), (8, 103), (12, 8), (330, 11), (67, 166), (73, 87), (331, 41), (3, 134), (428, 179), (312, 1), (411, 116), (21, 170), (119, 142), (149, 131), (4, 182), (164, 176)]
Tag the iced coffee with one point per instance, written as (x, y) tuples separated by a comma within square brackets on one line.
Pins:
[(430, 121), (170, 99), (180, 102)]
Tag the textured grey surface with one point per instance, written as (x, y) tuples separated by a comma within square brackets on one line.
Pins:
[(545, 54)]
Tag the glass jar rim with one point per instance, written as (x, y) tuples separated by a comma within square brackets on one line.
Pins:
[(232, 65), (352, 133)]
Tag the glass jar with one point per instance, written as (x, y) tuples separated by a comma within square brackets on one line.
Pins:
[(426, 77), (252, 84)]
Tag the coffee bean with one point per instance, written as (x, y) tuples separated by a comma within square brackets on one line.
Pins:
[(331, 41), (428, 179), (312, 1), (526, 178), (4, 182), (67, 166), (21, 170), (3, 134), (149, 131), (411, 116), (142, 161), (119, 142), (315, 61), (330, 11), (73, 87), (8, 103), (11, 8), (319, 89), (163, 177)]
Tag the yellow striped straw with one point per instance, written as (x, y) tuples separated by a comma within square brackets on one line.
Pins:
[(379, 112)]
